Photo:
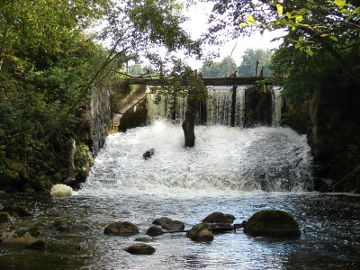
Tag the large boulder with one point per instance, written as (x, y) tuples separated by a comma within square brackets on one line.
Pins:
[(140, 249), (169, 224), (218, 217), (201, 233), (272, 223), (121, 228)]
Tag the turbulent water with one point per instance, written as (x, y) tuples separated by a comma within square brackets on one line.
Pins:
[(226, 171), (224, 160)]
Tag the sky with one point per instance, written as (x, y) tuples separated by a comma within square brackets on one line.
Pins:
[(197, 24)]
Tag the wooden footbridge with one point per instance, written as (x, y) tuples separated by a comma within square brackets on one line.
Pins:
[(226, 81)]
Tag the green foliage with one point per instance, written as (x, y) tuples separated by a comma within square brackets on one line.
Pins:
[(248, 63), (224, 68), (183, 81), (49, 68), (312, 25)]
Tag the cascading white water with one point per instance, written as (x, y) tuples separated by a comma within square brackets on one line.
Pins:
[(219, 106), (224, 160)]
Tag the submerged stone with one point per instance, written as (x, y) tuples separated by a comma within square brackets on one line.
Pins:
[(21, 239), (140, 249), (63, 246), (144, 238), (272, 223), (218, 217), (201, 233), (121, 228), (16, 211)]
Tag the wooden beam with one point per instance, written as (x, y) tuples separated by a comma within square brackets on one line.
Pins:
[(207, 81)]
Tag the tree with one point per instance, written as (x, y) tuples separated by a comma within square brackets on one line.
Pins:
[(49, 67), (248, 63), (312, 25), (224, 68)]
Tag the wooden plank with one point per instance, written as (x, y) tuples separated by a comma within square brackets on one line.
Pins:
[(207, 81)]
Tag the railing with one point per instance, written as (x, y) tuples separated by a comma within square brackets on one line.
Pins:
[(207, 81)]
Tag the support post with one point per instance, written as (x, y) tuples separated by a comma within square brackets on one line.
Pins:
[(233, 105)]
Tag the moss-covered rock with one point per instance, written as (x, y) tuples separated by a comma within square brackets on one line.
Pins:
[(121, 228), (272, 223), (218, 217), (201, 233), (169, 224)]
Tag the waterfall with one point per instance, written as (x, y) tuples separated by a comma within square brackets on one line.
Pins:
[(218, 107), (225, 160)]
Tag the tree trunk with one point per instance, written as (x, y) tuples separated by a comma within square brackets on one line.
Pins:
[(3, 48), (189, 123)]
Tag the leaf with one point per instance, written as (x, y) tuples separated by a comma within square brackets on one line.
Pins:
[(297, 46), (244, 24), (280, 9), (340, 3), (298, 18), (309, 52), (334, 38), (324, 35), (250, 19)]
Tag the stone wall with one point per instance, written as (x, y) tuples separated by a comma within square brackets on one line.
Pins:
[(330, 117)]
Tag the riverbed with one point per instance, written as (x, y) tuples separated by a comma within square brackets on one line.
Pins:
[(231, 170)]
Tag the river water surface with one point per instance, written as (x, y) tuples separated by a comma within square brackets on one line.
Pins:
[(232, 170)]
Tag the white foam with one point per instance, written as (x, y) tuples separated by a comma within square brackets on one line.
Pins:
[(225, 160)]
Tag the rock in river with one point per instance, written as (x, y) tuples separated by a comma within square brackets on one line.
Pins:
[(140, 249), (21, 239), (169, 224), (121, 228), (154, 231), (272, 223), (201, 233), (218, 217)]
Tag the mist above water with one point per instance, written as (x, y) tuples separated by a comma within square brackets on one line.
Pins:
[(225, 160)]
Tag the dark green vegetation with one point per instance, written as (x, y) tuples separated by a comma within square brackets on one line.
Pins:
[(272, 223), (49, 68)]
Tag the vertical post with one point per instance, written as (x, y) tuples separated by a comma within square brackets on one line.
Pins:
[(233, 104)]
